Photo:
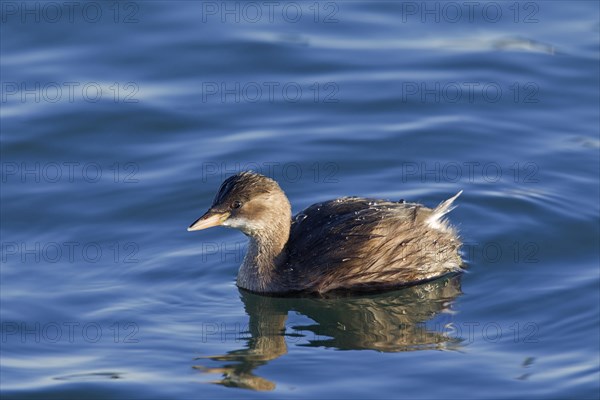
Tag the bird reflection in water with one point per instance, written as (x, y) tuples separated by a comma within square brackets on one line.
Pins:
[(393, 321)]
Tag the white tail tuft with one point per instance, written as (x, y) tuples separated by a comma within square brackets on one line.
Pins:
[(436, 220)]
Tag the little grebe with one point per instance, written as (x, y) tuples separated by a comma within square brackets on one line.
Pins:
[(349, 243)]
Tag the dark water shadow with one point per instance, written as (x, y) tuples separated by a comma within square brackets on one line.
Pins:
[(392, 321)]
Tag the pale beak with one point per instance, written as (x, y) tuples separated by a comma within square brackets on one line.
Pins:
[(208, 220)]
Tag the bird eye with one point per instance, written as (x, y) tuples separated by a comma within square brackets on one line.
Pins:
[(236, 204)]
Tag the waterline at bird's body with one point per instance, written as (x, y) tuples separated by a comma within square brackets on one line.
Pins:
[(349, 243)]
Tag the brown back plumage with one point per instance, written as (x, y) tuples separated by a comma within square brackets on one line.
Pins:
[(358, 243)]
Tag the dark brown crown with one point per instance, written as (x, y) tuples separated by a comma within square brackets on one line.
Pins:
[(244, 186)]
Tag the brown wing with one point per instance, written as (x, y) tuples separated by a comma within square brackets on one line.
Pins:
[(354, 243)]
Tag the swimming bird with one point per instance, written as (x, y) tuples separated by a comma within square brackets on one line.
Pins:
[(349, 243)]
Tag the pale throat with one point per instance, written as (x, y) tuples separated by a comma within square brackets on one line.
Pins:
[(266, 250)]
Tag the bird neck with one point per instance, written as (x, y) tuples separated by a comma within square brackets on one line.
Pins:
[(266, 252)]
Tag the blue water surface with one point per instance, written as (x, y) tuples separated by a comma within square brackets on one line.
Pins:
[(119, 120)]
